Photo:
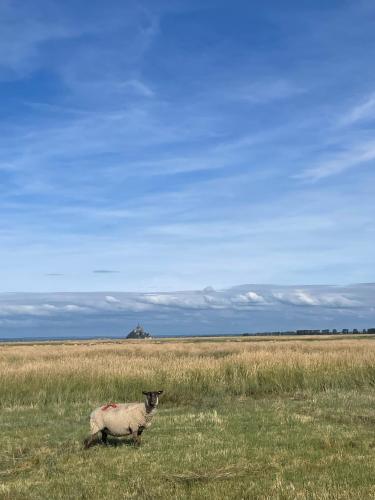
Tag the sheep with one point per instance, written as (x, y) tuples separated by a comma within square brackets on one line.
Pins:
[(123, 419)]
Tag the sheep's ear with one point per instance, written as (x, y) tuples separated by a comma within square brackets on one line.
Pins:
[(145, 393), (160, 392)]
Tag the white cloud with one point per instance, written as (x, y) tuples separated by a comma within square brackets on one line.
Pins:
[(335, 300), (248, 298), (72, 308), (297, 297), (303, 298), (179, 301), (112, 300), (187, 300), (216, 302), (38, 310)]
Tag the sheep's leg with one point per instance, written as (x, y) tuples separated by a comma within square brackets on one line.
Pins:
[(136, 438), (105, 436), (91, 440)]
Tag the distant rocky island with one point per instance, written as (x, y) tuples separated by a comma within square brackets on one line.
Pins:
[(138, 333)]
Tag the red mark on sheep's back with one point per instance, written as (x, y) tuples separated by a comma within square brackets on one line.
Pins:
[(109, 405)]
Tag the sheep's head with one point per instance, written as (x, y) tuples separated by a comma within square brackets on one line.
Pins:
[(152, 397)]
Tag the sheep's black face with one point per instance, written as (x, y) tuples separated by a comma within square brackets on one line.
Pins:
[(152, 397)]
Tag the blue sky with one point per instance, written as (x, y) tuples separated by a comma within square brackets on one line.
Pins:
[(173, 145)]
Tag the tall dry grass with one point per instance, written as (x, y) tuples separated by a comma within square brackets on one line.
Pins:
[(188, 371)]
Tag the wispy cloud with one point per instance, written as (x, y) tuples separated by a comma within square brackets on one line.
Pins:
[(362, 111), (262, 92), (358, 155), (22, 36), (137, 87)]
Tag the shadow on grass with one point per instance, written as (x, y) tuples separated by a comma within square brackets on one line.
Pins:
[(115, 443), (118, 442)]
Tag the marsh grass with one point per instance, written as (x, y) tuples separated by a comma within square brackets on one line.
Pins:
[(239, 419), (187, 371)]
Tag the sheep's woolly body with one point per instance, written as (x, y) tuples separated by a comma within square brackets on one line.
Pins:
[(121, 419)]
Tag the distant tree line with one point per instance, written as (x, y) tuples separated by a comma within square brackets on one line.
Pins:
[(344, 331)]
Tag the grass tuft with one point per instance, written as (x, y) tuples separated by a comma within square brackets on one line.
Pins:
[(218, 474)]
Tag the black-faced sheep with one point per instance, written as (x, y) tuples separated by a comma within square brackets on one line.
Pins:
[(123, 419)]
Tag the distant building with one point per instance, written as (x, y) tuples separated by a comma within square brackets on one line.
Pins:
[(138, 333), (345, 330)]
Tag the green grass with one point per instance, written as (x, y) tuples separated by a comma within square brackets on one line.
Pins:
[(319, 446), (282, 431)]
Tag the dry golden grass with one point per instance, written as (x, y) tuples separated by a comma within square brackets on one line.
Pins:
[(198, 369)]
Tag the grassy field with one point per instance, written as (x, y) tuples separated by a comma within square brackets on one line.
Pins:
[(240, 418)]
